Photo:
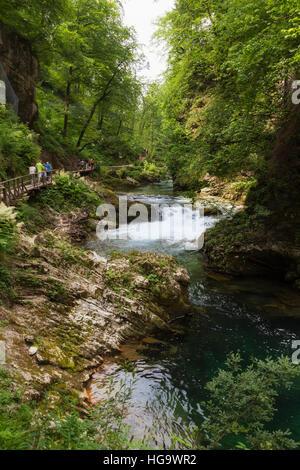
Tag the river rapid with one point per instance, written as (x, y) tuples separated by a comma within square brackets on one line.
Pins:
[(254, 317)]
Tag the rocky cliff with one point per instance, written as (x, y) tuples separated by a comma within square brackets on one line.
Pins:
[(22, 70)]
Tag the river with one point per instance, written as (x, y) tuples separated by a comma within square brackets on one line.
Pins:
[(254, 317)]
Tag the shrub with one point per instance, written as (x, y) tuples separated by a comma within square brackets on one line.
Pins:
[(7, 229), (18, 147), (31, 216), (44, 426), (67, 193), (241, 401)]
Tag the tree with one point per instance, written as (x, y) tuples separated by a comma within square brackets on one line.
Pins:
[(240, 402), (230, 66), (36, 20)]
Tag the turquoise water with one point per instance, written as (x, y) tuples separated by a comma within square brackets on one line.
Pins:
[(255, 317)]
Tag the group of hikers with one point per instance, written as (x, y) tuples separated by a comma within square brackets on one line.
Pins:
[(42, 170), (85, 164)]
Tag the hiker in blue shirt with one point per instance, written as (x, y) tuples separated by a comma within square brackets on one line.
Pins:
[(48, 167)]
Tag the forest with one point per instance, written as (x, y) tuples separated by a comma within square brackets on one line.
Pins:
[(128, 342)]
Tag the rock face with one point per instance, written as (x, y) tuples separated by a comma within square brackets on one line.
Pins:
[(254, 258), (73, 308), (235, 190), (248, 249), (22, 70)]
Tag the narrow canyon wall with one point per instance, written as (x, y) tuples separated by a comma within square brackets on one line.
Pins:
[(22, 69)]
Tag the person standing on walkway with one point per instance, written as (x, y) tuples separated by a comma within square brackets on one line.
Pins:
[(32, 172), (48, 167), (40, 169)]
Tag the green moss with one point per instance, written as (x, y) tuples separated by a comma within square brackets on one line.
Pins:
[(28, 280), (73, 255), (59, 350), (154, 279), (115, 277)]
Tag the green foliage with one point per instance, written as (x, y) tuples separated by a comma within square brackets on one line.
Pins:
[(5, 282), (31, 216), (18, 147), (154, 279), (15, 415), (227, 235), (50, 123), (68, 192), (88, 93), (145, 171), (227, 88), (152, 172), (8, 229), (8, 239), (35, 20), (241, 401), (57, 292), (57, 421), (115, 279)]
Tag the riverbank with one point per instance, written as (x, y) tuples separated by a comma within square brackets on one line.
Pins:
[(68, 308)]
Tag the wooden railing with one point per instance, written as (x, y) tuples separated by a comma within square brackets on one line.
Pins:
[(16, 188)]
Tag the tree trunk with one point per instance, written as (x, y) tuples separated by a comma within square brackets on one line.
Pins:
[(87, 123), (67, 106), (119, 128), (105, 93), (101, 118)]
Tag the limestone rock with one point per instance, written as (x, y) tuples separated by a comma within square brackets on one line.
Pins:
[(22, 69), (32, 351), (74, 308)]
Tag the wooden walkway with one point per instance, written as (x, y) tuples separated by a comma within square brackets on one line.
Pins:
[(16, 188), (119, 167)]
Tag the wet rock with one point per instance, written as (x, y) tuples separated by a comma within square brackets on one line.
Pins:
[(35, 252), (140, 281), (212, 211), (32, 351), (181, 275), (240, 251), (96, 258), (75, 225)]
